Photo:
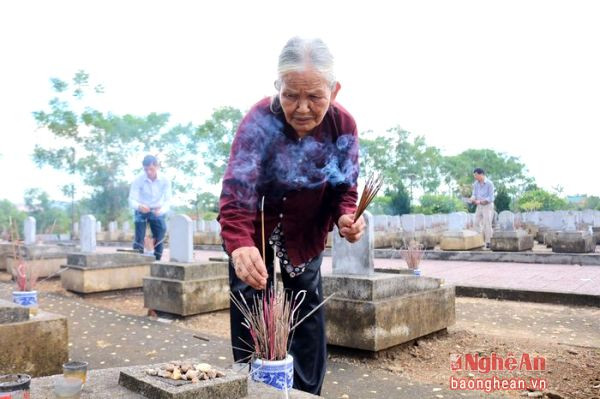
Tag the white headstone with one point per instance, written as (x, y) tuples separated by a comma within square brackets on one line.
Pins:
[(395, 224), (506, 220), (419, 222), (408, 223), (75, 228), (587, 217), (112, 226), (356, 258), (29, 230), (87, 234), (596, 218), (570, 222), (428, 222), (98, 226), (181, 240), (126, 227), (546, 219), (201, 226), (215, 227), (558, 220), (456, 221)]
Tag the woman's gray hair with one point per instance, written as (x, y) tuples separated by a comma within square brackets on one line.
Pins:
[(298, 53)]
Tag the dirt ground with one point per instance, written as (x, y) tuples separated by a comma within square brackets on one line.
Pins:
[(568, 338)]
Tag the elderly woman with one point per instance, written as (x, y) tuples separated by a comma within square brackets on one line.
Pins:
[(296, 153)]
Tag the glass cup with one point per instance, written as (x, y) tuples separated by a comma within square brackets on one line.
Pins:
[(67, 388), (76, 369)]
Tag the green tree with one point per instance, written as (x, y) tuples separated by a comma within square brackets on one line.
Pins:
[(399, 200), (435, 203), (99, 146), (592, 202), (540, 200), (10, 213), (204, 202), (504, 170), (49, 216), (215, 137), (403, 160), (502, 200)]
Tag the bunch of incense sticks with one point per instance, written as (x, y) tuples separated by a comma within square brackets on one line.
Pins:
[(372, 186), (270, 319), (412, 254)]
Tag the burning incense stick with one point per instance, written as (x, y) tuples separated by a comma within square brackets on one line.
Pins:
[(372, 186), (262, 222)]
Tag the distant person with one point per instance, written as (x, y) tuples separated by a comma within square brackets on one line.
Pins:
[(483, 197), (149, 196)]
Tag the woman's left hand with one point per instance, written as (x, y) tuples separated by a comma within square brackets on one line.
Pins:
[(350, 230)]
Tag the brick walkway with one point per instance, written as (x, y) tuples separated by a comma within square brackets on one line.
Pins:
[(520, 276)]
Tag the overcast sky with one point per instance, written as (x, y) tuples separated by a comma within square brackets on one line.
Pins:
[(521, 77)]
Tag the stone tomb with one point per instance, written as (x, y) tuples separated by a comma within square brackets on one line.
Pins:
[(99, 272), (103, 384), (571, 240), (375, 311), (45, 258), (230, 386), (509, 239), (187, 289), (183, 286), (36, 345), (457, 238), (574, 242)]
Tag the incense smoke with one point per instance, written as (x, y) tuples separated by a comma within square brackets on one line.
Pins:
[(266, 159)]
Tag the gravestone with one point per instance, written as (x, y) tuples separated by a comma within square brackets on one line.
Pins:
[(428, 222), (419, 222), (126, 227), (215, 226), (507, 238), (380, 302), (98, 226), (201, 226), (29, 230), (457, 237), (89, 271), (354, 258), (456, 222), (379, 222), (112, 226), (45, 258), (76, 229), (571, 240), (408, 223), (87, 236), (181, 241), (506, 221), (395, 223), (183, 286), (37, 345)]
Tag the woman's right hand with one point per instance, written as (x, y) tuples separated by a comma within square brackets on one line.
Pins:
[(249, 267)]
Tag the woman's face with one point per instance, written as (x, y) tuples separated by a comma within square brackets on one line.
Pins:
[(305, 98)]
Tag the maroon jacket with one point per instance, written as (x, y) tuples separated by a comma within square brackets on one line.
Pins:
[(307, 183)]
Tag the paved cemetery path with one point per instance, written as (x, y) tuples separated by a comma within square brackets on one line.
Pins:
[(569, 279), (105, 338)]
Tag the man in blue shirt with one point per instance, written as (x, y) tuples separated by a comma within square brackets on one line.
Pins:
[(483, 196), (149, 196)]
